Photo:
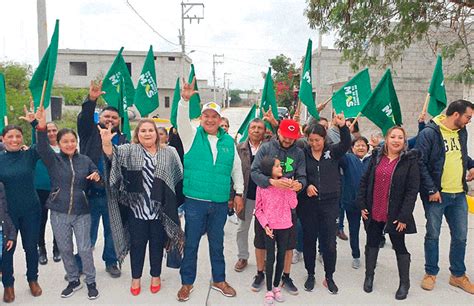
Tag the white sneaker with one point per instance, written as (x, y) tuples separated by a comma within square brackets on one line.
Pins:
[(296, 257), (356, 263), (233, 219)]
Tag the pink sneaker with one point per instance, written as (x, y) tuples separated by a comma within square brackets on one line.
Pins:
[(268, 299), (278, 296)]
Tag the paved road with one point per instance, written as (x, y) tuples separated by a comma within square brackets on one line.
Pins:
[(116, 291)]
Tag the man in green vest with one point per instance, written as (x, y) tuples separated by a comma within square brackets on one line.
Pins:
[(210, 161)]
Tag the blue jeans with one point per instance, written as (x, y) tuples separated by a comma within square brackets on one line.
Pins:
[(1, 246), (28, 226), (98, 205), (454, 208), (203, 217), (354, 217)]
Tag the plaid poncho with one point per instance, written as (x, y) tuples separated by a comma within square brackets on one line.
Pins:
[(124, 190)]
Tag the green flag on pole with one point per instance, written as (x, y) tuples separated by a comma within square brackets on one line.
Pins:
[(244, 127), (117, 72), (123, 106), (268, 95), (174, 106), (43, 77), (146, 94), (437, 91), (351, 97), (382, 107), (195, 101), (306, 88), (3, 103)]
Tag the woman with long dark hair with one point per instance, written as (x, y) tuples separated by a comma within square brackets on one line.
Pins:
[(387, 198), (71, 174), (23, 206), (318, 206)]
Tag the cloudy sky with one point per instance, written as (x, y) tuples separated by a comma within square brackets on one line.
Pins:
[(247, 32)]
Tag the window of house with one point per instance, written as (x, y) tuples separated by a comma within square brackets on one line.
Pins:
[(78, 68), (167, 102), (171, 58), (129, 67)]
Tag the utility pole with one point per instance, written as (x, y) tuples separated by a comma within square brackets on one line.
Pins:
[(216, 59), (226, 93), (185, 8), (42, 28)]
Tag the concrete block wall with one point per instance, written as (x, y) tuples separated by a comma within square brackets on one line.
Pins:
[(411, 77)]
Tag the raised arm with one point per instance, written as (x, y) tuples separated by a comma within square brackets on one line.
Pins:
[(85, 119), (106, 135), (185, 129)]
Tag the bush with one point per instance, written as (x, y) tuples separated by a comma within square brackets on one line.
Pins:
[(74, 96)]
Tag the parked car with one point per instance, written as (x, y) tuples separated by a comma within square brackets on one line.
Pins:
[(283, 112)]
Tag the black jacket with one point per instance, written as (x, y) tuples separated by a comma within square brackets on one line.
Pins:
[(90, 142), (9, 230), (431, 145), (403, 190), (325, 173), (68, 178)]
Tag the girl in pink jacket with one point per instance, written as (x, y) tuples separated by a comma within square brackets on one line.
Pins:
[(273, 211)]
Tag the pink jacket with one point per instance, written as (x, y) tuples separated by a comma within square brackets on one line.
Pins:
[(273, 207)]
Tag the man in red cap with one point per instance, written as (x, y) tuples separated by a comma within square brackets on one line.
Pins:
[(293, 164)]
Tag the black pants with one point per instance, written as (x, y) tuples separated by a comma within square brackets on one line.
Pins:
[(318, 219), (43, 196), (354, 217), (143, 232), (281, 237), (374, 236)]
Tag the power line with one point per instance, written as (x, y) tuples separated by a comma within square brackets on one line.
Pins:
[(149, 25)]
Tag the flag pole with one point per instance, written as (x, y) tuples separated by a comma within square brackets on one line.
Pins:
[(5, 120), (327, 101), (425, 106), (355, 120), (43, 92)]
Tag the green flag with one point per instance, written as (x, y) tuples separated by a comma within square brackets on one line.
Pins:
[(123, 106), (351, 97), (306, 87), (437, 91), (382, 107), (44, 74), (268, 95), (110, 84), (195, 101), (146, 94), (174, 106), (244, 127), (3, 103)]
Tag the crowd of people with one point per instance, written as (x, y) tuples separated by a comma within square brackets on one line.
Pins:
[(299, 186)]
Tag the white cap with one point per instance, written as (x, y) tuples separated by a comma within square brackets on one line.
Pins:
[(212, 106)]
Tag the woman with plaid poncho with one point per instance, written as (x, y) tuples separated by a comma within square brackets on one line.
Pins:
[(144, 189)]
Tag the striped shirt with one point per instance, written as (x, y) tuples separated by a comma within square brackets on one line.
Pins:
[(148, 210)]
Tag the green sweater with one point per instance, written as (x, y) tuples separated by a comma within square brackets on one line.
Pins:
[(17, 174)]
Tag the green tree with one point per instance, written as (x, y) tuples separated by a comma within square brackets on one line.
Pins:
[(284, 79), (446, 25), (17, 78)]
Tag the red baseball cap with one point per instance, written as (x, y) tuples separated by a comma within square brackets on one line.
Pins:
[(289, 128)]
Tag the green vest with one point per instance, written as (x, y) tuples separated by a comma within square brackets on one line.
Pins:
[(204, 180)]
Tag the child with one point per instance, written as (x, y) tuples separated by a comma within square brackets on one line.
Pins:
[(273, 211), (7, 230)]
